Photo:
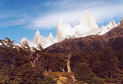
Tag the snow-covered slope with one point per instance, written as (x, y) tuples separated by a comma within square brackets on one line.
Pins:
[(88, 20), (39, 39), (64, 31), (107, 28), (87, 26)]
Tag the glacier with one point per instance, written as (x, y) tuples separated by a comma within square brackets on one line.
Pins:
[(87, 26)]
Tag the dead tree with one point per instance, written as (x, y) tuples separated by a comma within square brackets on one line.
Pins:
[(34, 60), (68, 62), (7, 43), (62, 69), (32, 56)]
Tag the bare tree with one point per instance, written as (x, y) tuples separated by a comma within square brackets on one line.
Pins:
[(7, 42), (33, 56), (34, 60), (62, 69), (68, 62), (25, 46)]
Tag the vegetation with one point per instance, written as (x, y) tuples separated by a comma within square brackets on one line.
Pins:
[(25, 65)]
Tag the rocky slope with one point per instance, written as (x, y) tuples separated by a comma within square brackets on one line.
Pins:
[(113, 39)]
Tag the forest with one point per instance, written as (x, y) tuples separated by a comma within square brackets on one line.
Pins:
[(25, 65)]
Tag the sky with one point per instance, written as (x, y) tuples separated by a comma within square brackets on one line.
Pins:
[(22, 18)]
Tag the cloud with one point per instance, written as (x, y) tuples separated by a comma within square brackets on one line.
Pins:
[(70, 11), (14, 19), (67, 10), (51, 20), (14, 22)]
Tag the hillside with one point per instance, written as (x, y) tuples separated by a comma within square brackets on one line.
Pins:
[(113, 39)]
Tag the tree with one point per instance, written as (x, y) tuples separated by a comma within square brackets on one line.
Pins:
[(110, 62), (68, 57), (7, 43), (15, 64)]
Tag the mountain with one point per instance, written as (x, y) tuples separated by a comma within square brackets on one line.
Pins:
[(107, 28), (45, 42), (88, 20), (37, 38), (87, 26), (64, 31), (113, 39), (23, 40)]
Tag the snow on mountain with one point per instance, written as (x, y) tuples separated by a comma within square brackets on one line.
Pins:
[(50, 37), (87, 26), (107, 28), (37, 38), (88, 20), (64, 31), (23, 40), (43, 41)]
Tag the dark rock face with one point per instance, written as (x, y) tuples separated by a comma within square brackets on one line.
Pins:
[(113, 39), (121, 23)]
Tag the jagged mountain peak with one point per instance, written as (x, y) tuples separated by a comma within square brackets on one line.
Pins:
[(24, 39), (37, 37), (87, 26), (37, 32), (121, 22), (88, 20), (50, 37), (107, 28), (86, 13), (60, 24), (113, 23), (92, 42)]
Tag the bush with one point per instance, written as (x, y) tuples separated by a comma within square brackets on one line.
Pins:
[(79, 82), (84, 73)]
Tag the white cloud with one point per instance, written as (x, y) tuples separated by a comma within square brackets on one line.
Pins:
[(15, 22), (14, 19), (51, 20), (67, 10), (70, 13)]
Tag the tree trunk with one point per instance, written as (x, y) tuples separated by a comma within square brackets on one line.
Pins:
[(68, 65)]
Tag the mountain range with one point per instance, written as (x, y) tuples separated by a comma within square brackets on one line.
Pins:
[(87, 26), (113, 39)]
